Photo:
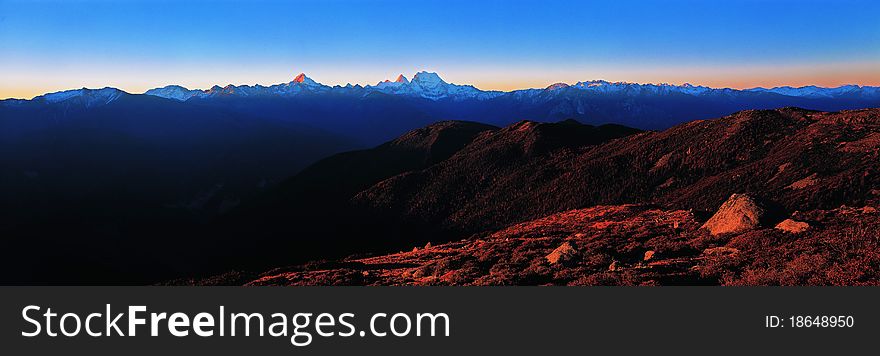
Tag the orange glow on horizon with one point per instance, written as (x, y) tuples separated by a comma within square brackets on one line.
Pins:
[(506, 79)]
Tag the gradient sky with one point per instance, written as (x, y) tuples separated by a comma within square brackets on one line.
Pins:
[(136, 45)]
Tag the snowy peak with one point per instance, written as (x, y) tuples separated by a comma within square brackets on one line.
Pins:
[(175, 92), (397, 83), (626, 88), (428, 85), (303, 79), (427, 79), (812, 91), (89, 97)]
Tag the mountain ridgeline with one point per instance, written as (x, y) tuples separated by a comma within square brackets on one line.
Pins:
[(798, 159), (373, 114)]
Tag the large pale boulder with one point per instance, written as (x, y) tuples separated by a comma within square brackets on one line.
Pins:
[(561, 254), (739, 213)]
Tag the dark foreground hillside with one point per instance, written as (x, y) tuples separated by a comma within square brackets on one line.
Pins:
[(784, 196), (118, 193)]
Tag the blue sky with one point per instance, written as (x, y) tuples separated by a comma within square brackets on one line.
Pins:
[(136, 45)]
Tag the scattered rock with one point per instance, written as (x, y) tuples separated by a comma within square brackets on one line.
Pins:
[(614, 266), (561, 254), (649, 255), (792, 226), (738, 214)]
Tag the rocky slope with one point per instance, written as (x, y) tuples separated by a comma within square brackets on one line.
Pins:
[(759, 197), (621, 245)]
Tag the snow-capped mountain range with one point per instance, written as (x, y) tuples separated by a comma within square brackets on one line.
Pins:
[(430, 86), (424, 84)]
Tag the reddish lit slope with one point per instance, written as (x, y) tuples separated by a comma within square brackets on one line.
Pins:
[(797, 158), (624, 245), (546, 204)]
